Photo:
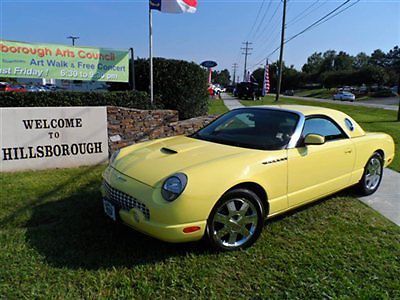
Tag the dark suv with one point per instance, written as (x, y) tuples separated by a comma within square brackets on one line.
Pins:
[(248, 90)]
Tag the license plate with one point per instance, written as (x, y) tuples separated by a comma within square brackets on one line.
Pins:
[(109, 209)]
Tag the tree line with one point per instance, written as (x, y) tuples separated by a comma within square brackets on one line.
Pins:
[(333, 69)]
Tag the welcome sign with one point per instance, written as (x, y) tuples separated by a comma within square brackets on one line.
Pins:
[(52, 137), (24, 60)]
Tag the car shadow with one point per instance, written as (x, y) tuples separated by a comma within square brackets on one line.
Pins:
[(74, 233)]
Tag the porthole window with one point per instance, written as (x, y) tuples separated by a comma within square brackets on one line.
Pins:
[(349, 124)]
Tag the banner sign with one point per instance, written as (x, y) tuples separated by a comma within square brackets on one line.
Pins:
[(35, 138), (23, 60)]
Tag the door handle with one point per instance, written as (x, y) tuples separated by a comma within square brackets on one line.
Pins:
[(348, 151)]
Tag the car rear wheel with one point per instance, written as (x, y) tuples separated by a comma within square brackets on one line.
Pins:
[(236, 221), (372, 177)]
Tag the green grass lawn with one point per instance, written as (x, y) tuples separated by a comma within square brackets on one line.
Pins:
[(216, 107), (316, 93), (371, 119), (55, 242), (323, 94)]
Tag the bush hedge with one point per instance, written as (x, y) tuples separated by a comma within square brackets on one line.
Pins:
[(131, 99), (178, 84)]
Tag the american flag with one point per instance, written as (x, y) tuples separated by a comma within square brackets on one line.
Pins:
[(265, 88)]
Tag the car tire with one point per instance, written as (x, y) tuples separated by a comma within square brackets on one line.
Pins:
[(372, 176), (236, 221)]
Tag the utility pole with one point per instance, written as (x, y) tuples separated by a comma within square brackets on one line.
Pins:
[(235, 67), (398, 92), (73, 38), (278, 89), (246, 52)]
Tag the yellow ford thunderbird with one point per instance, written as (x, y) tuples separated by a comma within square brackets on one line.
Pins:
[(224, 181)]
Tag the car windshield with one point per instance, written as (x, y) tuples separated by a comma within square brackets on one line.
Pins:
[(255, 128)]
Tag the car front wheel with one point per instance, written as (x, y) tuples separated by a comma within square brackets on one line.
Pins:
[(372, 176), (236, 221)]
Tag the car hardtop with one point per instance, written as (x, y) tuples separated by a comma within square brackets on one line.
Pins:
[(305, 111)]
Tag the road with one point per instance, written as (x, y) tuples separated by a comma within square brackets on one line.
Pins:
[(389, 103), (385, 101)]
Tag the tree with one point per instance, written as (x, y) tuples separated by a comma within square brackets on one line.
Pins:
[(291, 78), (221, 77), (328, 62), (378, 58), (313, 64), (343, 61), (361, 60)]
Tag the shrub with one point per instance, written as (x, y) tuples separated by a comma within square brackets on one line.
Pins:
[(131, 99), (178, 85), (383, 93)]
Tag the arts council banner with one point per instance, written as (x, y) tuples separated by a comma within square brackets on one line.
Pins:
[(24, 60)]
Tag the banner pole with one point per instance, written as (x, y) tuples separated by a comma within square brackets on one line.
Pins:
[(151, 54)]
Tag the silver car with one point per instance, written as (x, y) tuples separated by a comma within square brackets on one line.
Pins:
[(344, 96)]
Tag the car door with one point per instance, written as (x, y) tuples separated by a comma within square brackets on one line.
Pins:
[(318, 170)]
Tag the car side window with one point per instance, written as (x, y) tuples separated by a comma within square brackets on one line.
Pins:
[(324, 127)]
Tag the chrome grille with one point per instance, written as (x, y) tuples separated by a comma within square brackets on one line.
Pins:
[(125, 201)]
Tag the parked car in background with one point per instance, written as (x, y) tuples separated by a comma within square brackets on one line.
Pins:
[(218, 89), (3, 86), (230, 88), (289, 93), (16, 88), (250, 164), (248, 90), (32, 89), (344, 96)]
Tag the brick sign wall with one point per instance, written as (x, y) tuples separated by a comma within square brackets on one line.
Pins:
[(35, 138), (129, 126)]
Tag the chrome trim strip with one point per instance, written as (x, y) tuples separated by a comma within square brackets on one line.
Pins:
[(297, 132)]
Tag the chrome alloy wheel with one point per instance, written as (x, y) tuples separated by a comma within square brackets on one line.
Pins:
[(234, 223), (373, 173)]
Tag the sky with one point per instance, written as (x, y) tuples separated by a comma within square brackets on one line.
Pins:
[(215, 32)]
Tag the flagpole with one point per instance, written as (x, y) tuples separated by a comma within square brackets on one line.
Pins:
[(151, 54)]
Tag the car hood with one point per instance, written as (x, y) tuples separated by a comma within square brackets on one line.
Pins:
[(152, 162)]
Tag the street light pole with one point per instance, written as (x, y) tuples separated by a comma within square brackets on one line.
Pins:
[(73, 38), (278, 89)]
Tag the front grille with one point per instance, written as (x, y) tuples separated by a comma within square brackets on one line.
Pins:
[(125, 201)]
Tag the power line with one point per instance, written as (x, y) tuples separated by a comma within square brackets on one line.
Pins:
[(302, 13), (256, 19), (269, 21), (293, 21), (339, 12), (320, 21), (263, 18)]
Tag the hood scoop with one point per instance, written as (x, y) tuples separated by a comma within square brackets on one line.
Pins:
[(168, 151)]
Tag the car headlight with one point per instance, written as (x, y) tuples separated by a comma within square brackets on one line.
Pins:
[(173, 186), (114, 156)]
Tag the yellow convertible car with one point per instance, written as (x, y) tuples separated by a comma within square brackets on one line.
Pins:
[(251, 163)]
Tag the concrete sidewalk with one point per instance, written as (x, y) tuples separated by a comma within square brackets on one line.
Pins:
[(386, 200), (230, 102)]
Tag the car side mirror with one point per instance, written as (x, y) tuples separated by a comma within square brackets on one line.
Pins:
[(314, 139)]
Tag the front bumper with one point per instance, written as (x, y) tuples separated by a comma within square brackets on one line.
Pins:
[(143, 209)]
